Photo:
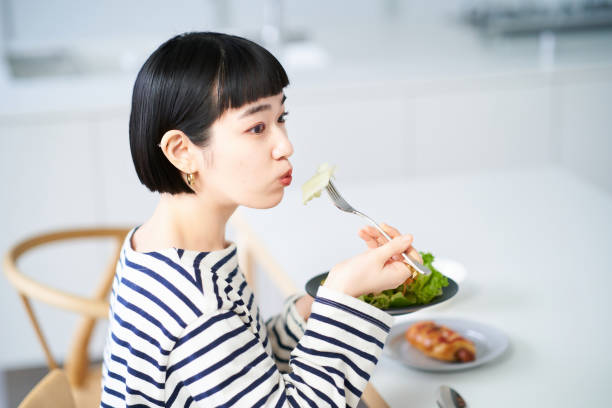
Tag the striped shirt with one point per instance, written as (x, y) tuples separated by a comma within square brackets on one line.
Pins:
[(185, 330)]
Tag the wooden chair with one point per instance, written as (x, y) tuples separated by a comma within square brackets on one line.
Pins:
[(83, 378), (53, 391)]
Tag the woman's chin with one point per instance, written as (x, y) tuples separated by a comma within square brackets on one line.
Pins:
[(265, 202)]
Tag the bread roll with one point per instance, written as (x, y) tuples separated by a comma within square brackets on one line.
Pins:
[(440, 342)]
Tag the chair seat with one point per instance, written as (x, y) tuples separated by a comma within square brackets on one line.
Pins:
[(53, 391), (88, 395)]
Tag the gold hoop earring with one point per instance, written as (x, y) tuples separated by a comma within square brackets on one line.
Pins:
[(190, 179)]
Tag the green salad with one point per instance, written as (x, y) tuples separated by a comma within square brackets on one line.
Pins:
[(421, 291)]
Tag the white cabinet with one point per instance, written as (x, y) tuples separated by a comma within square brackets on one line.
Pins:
[(479, 130), (123, 199), (367, 138), (50, 177), (585, 130), (432, 132), (49, 174)]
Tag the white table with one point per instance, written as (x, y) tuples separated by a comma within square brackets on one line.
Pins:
[(537, 246)]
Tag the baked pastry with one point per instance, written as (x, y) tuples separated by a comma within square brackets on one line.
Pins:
[(440, 342)]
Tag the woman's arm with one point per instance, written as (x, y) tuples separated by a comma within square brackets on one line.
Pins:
[(287, 328), (220, 362), (303, 306)]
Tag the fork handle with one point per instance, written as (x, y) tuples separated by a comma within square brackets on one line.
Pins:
[(422, 269)]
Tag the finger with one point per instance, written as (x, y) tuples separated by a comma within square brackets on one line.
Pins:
[(376, 235), (393, 232), (373, 232), (368, 239), (414, 254), (382, 240), (394, 247), (397, 272), (376, 239)]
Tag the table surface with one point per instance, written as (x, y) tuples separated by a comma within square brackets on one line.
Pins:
[(536, 246)]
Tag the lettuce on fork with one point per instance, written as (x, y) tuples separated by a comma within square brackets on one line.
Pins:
[(421, 291)]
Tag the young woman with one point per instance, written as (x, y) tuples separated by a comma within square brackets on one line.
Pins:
[(207, 132)]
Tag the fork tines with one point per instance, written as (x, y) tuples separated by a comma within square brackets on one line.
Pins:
[(338, 200), (332, 190)]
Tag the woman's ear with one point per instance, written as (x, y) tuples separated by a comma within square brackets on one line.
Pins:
[(179, 150)]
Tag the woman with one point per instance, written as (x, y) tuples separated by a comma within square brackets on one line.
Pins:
[(207, 132)]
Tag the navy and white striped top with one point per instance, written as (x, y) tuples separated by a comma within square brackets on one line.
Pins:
[(185, 330)]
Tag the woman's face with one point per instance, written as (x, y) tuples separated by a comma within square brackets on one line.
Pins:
[(247, 159)]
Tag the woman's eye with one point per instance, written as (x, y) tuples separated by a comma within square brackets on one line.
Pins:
[(281, 118), (259, 128)]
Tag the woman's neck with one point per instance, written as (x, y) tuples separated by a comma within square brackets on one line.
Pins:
[(184, 221)]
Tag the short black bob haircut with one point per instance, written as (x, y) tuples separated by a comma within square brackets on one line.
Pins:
[(187, 84)]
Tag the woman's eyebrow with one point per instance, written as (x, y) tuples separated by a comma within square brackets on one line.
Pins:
[(259, 108)]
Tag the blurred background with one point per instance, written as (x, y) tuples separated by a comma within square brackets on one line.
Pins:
[(413, 89)]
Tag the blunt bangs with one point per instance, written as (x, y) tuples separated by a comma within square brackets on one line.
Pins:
[(248, 72)]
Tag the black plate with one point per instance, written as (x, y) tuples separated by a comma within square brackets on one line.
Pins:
[(447, 292)]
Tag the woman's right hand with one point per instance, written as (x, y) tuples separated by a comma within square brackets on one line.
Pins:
[(372, 271)]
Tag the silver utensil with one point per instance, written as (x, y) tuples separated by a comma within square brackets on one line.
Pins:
[(341, 203), (449, 398)]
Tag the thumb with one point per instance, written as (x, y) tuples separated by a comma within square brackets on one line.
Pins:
[(395, 246)]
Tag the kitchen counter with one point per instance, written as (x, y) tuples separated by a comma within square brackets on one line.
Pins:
[(536, 246)]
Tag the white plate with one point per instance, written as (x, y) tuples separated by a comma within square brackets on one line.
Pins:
[(453, 269), (490, 343)]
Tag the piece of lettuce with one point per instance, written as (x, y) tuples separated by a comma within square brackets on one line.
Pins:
[(426, 288), (382, 301), (398, 299), (423, 290)]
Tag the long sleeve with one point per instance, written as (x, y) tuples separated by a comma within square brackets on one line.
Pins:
[(223, 363), (284, 331)]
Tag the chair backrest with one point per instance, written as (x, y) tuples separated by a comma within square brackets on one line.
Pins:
[(90, 308), (53, 391)]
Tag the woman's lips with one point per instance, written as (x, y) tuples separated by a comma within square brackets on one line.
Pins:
[(286, 178)]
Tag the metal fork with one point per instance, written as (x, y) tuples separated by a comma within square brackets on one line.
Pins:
[(341, 203)]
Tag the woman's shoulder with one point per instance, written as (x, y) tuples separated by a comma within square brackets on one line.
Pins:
[(182, 261), (193, 281)]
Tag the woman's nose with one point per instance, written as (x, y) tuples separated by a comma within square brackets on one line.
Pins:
[(283, 147)]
